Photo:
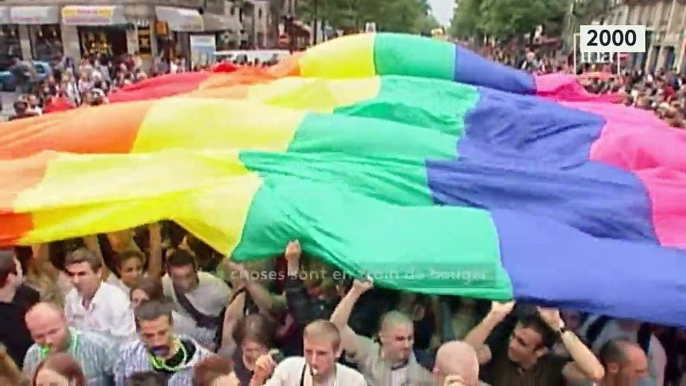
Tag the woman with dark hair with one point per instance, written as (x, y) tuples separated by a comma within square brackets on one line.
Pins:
[(215, 371), (130, 265), (58, 369), (254, 337), (147, 288)]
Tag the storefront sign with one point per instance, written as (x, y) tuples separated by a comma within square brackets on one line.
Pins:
[(93, 15), (34, 15), (180, 19)]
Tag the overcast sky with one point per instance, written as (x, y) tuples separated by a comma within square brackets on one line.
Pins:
[(442, 10)]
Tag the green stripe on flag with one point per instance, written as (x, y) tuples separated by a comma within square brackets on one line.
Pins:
[(414, 56), (429, 249), (352, 188), (428, 103)]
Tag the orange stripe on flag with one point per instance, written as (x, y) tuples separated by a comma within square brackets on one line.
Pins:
[(104, 129), (160, 87), (287, 67), (16, 177), (235, 92)]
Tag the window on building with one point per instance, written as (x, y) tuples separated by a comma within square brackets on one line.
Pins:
[(651, 14), (9, 45), (631, 14), (109, 41), (678, 13), (46, 42), (664, 13), (259, 13)]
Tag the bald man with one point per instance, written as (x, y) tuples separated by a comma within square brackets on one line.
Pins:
[(48, 327), (625, 363), (388, 361), (457, 365)]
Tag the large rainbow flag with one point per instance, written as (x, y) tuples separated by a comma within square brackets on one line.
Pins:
[(410, 159)]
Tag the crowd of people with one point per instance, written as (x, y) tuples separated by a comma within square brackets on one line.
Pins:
[(662, 91), (68, 86), (156, 306)]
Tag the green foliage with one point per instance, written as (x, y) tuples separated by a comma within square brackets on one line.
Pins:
[(396, 16), (586, 11), (466, 22), (505, 18)]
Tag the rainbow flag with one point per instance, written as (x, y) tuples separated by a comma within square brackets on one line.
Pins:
[(407, 159)]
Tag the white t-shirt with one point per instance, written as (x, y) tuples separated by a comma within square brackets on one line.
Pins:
[(209, 297), (290, 372), (108, 313)]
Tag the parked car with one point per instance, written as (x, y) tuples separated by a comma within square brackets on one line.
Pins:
[(8, 83)]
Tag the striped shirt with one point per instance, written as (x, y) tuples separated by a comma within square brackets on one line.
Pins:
[(94, 352), (134, 358)]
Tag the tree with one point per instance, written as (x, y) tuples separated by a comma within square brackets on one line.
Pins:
[(505, 19), (586, 11), (466, 20), (424, 25)]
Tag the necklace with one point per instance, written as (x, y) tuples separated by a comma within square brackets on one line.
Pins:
[(73, 342), (160, 364)]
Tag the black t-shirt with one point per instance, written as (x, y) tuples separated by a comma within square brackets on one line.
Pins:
[(500, 371), (13, 332)]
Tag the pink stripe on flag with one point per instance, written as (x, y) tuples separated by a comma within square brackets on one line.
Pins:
[(637, 141), (565, 87)]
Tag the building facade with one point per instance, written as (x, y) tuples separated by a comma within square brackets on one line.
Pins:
[(665, 23), (255, 18), (48, 29)]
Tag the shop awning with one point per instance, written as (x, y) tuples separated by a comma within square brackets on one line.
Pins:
[(214, 22), (92, 15), (5, 15), (35, 15), (180, 19)]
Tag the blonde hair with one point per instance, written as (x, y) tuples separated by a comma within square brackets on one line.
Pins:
[(323, 330)]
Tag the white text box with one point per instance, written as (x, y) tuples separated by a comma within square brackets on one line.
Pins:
[(612, 38)]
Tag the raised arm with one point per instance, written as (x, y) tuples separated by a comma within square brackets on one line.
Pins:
[(353, 344), (478, 335)]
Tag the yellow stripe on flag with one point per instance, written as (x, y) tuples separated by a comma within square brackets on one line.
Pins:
[(207, 123), (315, 95), (356, 53), (87, 194)]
